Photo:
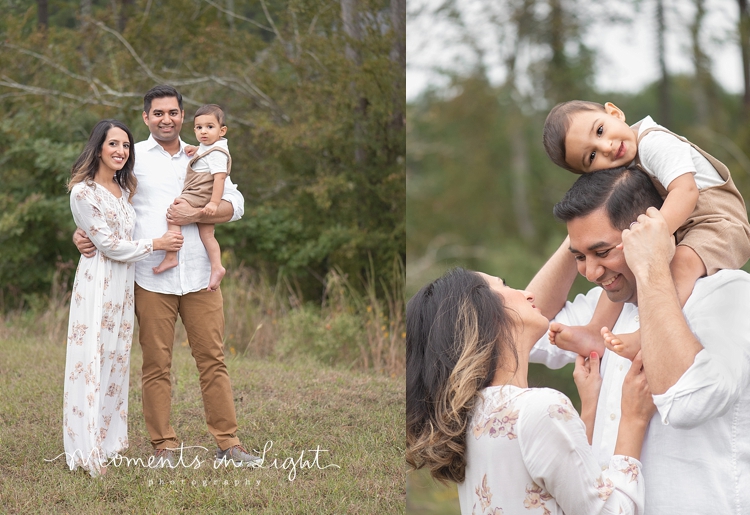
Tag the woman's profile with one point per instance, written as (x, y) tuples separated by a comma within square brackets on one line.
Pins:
[(472, 419)]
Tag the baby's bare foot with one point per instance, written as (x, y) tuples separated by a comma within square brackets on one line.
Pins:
[(217, 274), (626, 345), (581, 339), (169, 261)]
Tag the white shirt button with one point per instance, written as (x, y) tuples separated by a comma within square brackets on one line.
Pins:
[(637, 318), (612, 416)]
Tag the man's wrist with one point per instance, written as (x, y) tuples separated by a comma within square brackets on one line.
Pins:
[(652, 273)]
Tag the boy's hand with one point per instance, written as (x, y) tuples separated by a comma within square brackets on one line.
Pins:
[(83, 243), (190, 150), (210, 209)]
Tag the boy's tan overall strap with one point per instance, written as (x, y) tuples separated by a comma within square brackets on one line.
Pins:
[(720, 167), (229, 158)]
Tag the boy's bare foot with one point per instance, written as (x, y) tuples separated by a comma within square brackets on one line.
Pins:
[(626, 345), (217, 274), (581, 339), (167, 263)]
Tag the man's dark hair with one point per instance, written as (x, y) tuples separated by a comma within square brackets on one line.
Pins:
[(161, 91), (624, 193)]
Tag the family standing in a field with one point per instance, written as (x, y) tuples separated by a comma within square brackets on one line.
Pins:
[(682, 350), (123, 196)]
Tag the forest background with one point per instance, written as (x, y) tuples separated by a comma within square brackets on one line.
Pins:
[(314, 93), (480, 188), (314, 96)]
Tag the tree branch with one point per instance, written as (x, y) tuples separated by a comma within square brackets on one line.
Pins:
[(240, 17), (268, 17), (10, 83)]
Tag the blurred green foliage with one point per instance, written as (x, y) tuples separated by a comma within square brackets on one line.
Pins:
[(479, 186), (315, 112)]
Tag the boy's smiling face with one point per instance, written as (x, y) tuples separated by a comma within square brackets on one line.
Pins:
[(599, 140)]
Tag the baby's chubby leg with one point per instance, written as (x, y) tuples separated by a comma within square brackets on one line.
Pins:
[(213, 249), (686, 267)]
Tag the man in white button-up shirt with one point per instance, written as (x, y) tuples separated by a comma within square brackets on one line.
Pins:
[(160, 167), (696, 455)]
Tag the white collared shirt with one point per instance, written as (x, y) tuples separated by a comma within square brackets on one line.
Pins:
[(696, 454), (215, 162), (161, 177)]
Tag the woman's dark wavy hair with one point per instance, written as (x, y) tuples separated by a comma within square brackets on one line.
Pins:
[(624, 193), (453, 326), (87, 164)]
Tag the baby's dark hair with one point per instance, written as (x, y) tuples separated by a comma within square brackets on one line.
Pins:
[(211, 109), (556, 129)]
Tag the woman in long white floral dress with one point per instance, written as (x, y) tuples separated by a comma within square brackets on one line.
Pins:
[(471, 417), (100, 328)]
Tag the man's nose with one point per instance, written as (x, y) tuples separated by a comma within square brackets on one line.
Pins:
[(593, 270)]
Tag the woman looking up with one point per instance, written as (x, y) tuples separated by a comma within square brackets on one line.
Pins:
[(471, 417)]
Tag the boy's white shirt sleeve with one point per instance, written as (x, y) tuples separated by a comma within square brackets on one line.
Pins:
[(557, 455), (664, 156), (578, 312), (717, 315), (217, 162)]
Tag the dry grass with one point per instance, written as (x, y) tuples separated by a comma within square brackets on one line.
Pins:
[(303, 376), (299, 406)]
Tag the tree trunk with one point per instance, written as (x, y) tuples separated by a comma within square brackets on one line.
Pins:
[(520, 173), (350, 17), (702, 64), (398, 56), (744, 26), (126, 7), (42, 14), (665, 114), (398, 22), (230, 17), (86, 8)]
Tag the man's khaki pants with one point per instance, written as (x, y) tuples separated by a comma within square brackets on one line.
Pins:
[(202, 313)]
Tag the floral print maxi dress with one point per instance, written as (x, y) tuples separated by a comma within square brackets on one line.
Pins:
[(527, 453), (100, 329)]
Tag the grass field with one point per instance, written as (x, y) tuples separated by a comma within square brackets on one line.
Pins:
[(357, 418)]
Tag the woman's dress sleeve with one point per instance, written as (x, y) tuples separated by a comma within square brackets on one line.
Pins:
[(559, 458), (101, 224)]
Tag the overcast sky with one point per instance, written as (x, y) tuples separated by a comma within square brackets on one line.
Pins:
[(626, 53)]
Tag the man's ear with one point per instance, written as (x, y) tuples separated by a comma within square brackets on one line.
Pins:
[(613, 110), (145, 118)]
